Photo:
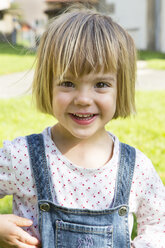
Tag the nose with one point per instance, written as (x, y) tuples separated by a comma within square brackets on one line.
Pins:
[(83, 98)]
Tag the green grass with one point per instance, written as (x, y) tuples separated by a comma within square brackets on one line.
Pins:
[(155, 60), (15, 58), (6, 205), (144, 131), (19, 117)]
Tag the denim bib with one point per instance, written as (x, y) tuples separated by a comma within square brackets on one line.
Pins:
[(62, 227)]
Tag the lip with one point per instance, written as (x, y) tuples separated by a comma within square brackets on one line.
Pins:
[(83, 120)]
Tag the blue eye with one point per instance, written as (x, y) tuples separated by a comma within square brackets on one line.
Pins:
[(102, 85), (67, 84)]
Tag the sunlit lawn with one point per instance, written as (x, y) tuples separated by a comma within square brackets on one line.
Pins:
[(15, 58), (154, 60)]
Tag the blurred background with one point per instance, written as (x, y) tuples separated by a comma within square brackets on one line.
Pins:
[(23, 21)]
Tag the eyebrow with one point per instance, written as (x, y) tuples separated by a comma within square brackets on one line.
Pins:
[(105, 78), (99, 78)]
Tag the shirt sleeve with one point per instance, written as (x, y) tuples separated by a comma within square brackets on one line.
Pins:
[(150, 211), (7, 182)]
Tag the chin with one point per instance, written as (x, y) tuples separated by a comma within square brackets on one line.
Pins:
[(83, 135)]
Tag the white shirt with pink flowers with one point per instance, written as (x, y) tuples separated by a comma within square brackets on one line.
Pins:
[(76, 187)]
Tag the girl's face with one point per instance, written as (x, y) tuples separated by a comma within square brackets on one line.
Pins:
[(84, 105)]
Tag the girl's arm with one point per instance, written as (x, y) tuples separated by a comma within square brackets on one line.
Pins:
[(149, 198), (12, 235), (11, 226)]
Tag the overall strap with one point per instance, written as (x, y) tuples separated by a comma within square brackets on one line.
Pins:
[(39, 165), (125, 174)]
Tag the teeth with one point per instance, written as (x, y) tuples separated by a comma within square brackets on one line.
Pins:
[(85, 116)]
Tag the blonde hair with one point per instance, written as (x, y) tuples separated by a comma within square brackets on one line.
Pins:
[(81, 41)]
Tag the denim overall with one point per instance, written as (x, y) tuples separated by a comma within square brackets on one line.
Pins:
[(62, 227)]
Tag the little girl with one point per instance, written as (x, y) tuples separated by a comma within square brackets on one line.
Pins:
[(76, 185)]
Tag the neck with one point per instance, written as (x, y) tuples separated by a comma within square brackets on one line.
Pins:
[(93, 152), (65, 141)]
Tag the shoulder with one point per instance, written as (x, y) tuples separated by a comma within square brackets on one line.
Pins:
[(10, 147), (143, 164), (19, 146), (13, 160), (145, 176)]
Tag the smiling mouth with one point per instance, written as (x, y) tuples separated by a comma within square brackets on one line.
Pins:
[(83, 116)]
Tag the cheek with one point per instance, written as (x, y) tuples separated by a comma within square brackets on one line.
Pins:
[(108, 103), (60, 102)]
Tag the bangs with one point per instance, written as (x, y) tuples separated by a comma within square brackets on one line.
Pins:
[(84, 45)]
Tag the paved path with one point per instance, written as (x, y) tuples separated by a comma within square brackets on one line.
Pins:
[(17, 84), (148, 79)]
